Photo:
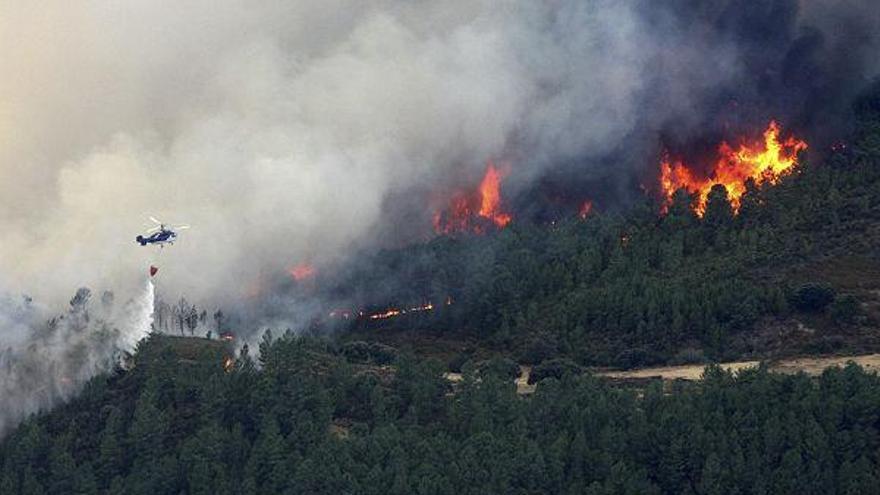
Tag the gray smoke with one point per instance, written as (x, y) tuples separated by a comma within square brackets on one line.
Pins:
[(278, 131), (50, 360), (283, 130)]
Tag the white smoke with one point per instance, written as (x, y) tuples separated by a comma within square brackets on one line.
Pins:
[(279, 129), (276, 130), (52, 359)]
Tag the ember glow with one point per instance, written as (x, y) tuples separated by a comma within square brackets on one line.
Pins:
[(764, 160), (476, 211), (385, 314), (391, 313), (302, 272), (585, 209)]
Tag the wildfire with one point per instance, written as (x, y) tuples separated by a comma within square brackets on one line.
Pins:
[(391, 313), (585, 209), (228, 363), (386, 314), (490, 197), (477, 210), (765, 160), (302, 272)]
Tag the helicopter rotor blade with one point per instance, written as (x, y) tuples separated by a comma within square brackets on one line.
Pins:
[(155, 221)]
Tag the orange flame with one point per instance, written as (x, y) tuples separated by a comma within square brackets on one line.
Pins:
[(585, 209), (766, 160), (391, 313), (490, 197), (228, 363), (388, 313), (302, 272), (471, 211)]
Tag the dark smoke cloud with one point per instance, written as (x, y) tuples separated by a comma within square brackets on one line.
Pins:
[(800, 63)]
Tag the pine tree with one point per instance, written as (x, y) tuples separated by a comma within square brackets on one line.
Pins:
[(719, 213), (268, 460), (62, 469), (110, 451)]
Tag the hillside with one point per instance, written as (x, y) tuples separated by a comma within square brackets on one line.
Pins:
[(428, 402), (309, 420), (562, 247), (793, 271)]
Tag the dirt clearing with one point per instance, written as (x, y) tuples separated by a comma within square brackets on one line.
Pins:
[(809, 365)]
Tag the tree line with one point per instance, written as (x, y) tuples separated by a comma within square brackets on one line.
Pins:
[(305, 419), (636, 287)]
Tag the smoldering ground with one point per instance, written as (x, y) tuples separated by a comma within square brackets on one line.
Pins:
[(296, 131)]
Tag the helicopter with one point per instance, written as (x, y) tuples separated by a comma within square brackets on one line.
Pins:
[(160, 235)]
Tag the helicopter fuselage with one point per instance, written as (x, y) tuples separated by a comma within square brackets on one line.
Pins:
[(164, 236)]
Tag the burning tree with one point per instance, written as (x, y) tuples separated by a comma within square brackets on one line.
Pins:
[(764, 160), (475, 211)]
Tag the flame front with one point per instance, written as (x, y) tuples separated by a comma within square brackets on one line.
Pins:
[(766, 160), (387, 313), (490, 197), (391, 313), (475, 211)]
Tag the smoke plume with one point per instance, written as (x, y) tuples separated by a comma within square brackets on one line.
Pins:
[(293, 131), (52, 359), (280, 131)]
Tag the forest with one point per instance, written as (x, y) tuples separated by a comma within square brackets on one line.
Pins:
[(637, 287), (611, 247), (337, 412), (303, 418)]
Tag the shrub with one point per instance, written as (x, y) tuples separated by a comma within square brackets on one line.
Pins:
[(845, 309), (553, 368), (825, 345), (502, 367), (812, 297), (458, 361), (359, 351), (689, 355), (382, 354), (637, 357), (538, 349)]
